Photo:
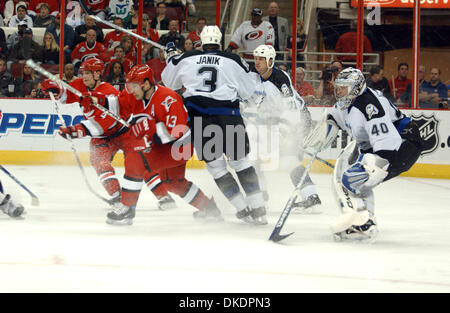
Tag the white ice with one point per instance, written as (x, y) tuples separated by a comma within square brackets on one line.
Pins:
[(64, 245)]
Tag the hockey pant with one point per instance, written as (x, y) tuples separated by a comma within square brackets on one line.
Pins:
[(171, 169), (102, 153)]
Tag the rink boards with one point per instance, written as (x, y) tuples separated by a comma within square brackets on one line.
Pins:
[(28, 137)]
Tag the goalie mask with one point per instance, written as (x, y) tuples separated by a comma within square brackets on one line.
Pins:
[(349, 84)]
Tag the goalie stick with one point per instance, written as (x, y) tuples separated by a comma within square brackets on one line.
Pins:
[(321, 160), (34, 198), (55, 78), (72, 146), (276, 236)]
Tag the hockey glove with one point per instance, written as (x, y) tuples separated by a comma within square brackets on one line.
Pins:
[(144, 127), (76, 131), (170, 51), (88, 97), (49, 85)]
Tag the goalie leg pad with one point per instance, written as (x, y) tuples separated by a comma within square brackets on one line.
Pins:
[(367, 172)]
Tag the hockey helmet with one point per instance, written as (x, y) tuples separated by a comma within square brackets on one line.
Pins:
[(92, 65), (267, 52), (49, 85), (211, 35), (348, 85), (137, 75)]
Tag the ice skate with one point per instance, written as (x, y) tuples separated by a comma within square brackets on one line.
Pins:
[(245, 215), (8, 207), (366, 232), (309, 206), (166, 203), (253, 216), (259, 216), (121, 215), (114, 200), (211, 212)]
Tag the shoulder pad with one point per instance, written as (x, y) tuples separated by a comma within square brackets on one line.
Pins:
[(369, 105), (282, 82)]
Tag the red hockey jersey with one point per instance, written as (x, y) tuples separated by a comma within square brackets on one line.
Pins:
[(83, 52), (98, 123), (96, 6), (167, 110), (34, 6)]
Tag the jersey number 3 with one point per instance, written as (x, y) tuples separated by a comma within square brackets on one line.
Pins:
[(211, 80)]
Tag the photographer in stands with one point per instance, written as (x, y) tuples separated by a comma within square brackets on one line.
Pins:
[(325, 92)]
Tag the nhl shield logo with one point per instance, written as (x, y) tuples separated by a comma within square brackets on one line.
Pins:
[(428, 128)]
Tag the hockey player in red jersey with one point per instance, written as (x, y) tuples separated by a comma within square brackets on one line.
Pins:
[(101, 127), (159, 140)]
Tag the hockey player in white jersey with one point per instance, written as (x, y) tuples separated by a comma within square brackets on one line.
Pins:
[(214, 82), (385, 144), (279, 103)]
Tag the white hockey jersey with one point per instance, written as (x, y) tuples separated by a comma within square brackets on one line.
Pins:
[(276, 102), (248, 37), (213, 79), (119, 8), (370, 121)]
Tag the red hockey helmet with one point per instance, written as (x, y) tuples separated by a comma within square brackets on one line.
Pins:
[(92, 65), (137, 75), (50, 85)]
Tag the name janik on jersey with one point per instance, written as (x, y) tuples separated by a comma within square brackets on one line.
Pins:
[(208, 60)]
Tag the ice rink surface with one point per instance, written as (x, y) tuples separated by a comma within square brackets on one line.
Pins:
[(64, 245)]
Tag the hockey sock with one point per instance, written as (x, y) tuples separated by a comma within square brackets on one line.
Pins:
[(230, 188), (296, 175), (156, 186), (250, 184), (110, 182), (131, 188), (190, 193)]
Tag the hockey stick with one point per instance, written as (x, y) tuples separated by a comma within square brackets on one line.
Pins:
[(72, 146), (34, 198), (55, 78), (320, 159), (137, 36), (276, 236), (127, 31)]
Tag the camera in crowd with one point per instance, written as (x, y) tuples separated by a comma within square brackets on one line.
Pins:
[(327, 73), (40, 94)]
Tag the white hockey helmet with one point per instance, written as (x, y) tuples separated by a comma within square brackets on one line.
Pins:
[(352, 81), (267, 52), (211, 35)]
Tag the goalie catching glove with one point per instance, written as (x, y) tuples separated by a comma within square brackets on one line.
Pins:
[(322, 135)]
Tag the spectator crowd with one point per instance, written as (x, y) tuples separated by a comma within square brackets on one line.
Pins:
[(85, 38)]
